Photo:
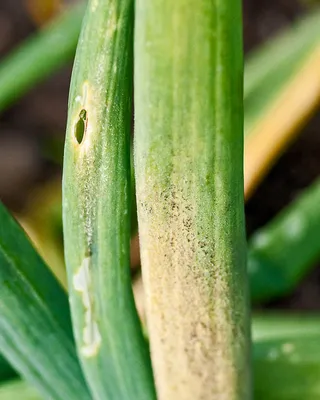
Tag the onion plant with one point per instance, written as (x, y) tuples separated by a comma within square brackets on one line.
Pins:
[(185, 62), (189, 178)]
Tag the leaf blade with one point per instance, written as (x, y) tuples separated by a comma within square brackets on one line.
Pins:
[(188, 159), (35, 334), (39, 56), (281, 252), (96, 207)]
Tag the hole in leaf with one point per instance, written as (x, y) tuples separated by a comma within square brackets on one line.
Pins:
[(81, 126)]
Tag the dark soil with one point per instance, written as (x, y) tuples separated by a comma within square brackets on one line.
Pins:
[(27, 129)]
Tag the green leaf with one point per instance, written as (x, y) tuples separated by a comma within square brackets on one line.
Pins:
[(96, 207), (269, 68), (286, 357), (39, 56), (18, 390), (281, 252), (189, 179), (278, 325), (35, 326)]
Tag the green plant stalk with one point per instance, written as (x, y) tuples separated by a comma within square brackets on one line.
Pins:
[(269, 69), (96, 207), (277, 325), (18, 390), (277, 60), (39, 57), (292, 378), (287, 368), (295, 380), (281, 252), (189, 179), (35, 327)]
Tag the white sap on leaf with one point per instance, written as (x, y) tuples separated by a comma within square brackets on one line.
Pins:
[(83, 99), (91, 335)]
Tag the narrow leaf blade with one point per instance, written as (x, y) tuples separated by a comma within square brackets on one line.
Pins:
[(96, 207), (39, 56), (189, 179), (286, 356), (35, 326), (18, 390), (281, 252)]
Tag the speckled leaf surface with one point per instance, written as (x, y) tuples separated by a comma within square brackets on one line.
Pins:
[(96, 207), (189, 179)]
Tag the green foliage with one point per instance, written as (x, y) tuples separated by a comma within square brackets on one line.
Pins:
[(188, 152), (18, 390), (35, 326), (39, 56), (282, 252), (286, 358), (189, 180), (96, 202), (273, 65)]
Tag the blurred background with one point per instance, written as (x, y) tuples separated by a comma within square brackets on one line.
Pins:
[(32, 129)]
